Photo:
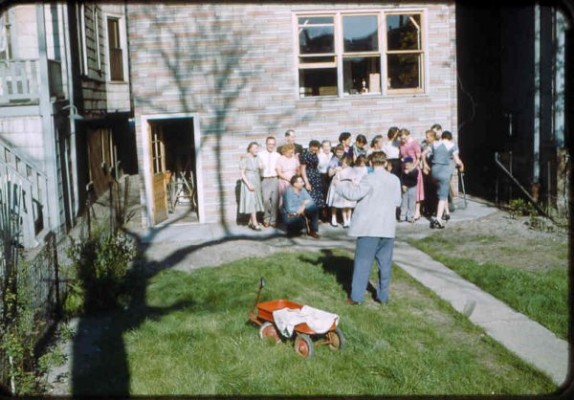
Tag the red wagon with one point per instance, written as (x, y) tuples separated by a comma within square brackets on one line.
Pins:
[(305, 337)]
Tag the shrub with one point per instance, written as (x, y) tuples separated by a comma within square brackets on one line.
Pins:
[(521, 208), (100, 265)]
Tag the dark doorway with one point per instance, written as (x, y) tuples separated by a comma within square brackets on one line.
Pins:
[(178, 140)]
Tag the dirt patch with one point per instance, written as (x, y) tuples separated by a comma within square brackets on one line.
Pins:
[(503, 239)]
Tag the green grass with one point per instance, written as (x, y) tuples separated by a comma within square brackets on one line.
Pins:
[(541, 295), (192, 337)]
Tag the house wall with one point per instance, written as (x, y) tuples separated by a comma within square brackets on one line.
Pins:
[(234, 68), (24, 39), (93, 94), (25, 134)]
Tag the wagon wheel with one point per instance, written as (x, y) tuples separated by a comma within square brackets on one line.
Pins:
[(336, 339), (304, 345), (268, 331)]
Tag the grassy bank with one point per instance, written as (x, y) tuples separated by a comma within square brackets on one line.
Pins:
[(542, 294), (192, 337)]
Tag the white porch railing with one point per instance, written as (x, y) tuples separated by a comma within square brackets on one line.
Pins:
[(20, 81), (33, 205)]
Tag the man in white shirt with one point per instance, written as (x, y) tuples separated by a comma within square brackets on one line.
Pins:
[(269, 182)]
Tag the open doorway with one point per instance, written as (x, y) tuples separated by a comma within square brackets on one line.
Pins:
[(173, 168)]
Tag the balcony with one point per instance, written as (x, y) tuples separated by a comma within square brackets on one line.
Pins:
[(20, 81)]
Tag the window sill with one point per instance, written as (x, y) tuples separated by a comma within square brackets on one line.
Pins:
[(347, 96)]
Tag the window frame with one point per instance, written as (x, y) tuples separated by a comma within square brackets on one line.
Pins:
[(422, 52), (96, 16), (121, 36), (382, 52)]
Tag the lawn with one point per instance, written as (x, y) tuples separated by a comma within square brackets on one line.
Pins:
[(542, 294), (192, 337)]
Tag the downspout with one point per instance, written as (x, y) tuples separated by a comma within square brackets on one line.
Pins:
[(46, 109), (70, 85), (537, 109)]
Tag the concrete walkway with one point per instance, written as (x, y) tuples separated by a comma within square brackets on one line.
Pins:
[(204, 245), (524, 337)]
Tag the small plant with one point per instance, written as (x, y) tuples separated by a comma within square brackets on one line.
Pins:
[(521, 208), (100, 265)]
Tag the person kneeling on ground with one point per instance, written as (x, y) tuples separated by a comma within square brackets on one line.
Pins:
[(299, 211)]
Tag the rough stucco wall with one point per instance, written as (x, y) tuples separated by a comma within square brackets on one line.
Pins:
[(233, 67)]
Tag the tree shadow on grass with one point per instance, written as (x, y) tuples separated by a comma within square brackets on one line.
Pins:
[(100, 364), (341, 267)]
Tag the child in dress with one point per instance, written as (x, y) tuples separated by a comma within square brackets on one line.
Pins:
[(409, 179), (335, 201)]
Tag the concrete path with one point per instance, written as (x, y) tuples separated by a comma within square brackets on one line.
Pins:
[(524, 337)]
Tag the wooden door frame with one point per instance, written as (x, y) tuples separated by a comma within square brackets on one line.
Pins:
[(147, 196)]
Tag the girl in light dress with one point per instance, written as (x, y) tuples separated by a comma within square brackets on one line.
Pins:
[(335, 201)]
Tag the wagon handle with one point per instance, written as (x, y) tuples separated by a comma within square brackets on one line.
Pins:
[(261, 285)]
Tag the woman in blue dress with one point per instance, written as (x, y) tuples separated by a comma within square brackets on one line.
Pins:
[(441, 169), (311, 175)]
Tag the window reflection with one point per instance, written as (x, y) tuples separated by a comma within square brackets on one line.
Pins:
[(360, 33), (362, 75), (316, 35), (403, 32), (404, 71), (318, 82)]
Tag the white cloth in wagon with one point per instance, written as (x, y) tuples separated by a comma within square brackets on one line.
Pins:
[(318, 320)]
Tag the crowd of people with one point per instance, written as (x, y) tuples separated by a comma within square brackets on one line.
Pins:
[(297, 186)]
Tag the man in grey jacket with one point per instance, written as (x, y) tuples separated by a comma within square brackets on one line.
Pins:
[(373, 223)]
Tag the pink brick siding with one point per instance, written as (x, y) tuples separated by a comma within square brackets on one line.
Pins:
[(233, 67)]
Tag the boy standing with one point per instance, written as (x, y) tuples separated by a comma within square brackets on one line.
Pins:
[(409, 178)]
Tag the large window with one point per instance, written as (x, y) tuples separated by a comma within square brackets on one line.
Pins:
[(347, 54)]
